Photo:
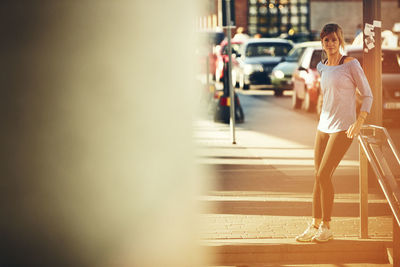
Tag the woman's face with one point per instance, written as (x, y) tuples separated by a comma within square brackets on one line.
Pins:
[(331, 44)]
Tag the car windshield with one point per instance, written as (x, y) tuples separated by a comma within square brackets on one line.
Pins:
[(315, 58), (295, 54), (267, 49), (235, 49), (390, 60)]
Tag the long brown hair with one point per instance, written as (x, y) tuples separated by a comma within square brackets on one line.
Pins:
[(328, 29)]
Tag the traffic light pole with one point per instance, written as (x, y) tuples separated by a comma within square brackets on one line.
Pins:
[(372, 65), (372, 56), (372, 59), (231, 92)]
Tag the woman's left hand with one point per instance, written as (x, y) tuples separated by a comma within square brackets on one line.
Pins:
[(354, 129)]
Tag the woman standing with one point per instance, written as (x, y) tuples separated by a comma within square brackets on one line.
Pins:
[(340, 76)]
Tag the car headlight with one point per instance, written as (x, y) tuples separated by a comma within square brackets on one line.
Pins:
[(278, 74), (250, 68)]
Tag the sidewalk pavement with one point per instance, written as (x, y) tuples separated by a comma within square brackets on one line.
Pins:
[(261, 188)]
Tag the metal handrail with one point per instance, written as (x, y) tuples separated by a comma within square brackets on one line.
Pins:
[(388, 138), (388, 184)]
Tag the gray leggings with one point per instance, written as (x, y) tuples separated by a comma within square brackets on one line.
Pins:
[(328, 152)]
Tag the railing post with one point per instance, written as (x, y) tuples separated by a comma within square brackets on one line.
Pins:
[(396, 243), (363, 184)]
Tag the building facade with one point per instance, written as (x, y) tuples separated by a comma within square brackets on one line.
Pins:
[(271, 18)]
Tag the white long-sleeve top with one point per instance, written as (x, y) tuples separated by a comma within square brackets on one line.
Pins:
[(338, 85)]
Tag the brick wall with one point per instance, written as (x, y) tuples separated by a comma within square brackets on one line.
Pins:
[(241, 11)]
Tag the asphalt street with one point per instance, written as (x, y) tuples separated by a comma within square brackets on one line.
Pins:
[(303, 118)]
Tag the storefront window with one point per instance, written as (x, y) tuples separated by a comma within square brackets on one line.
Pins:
[(283, 9), (253, 20), (273, 30), (272, 18), (252, 29), (262, 20), (304, 9), (253, 10), (263, 10)]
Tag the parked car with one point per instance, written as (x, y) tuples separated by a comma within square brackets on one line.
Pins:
[(206, 52), (301, 37), (257, 59), (390, 81), (222, 58), (306, 87), (281, 75)]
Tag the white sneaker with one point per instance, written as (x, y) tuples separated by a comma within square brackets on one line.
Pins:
[(308, 234), (324, 234)]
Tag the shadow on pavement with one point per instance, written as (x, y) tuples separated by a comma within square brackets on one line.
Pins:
[(291, 208), (268, 178)]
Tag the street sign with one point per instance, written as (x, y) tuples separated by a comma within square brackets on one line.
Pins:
[(224, 12)]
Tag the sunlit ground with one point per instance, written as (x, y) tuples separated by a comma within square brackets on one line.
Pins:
[(262, 186)]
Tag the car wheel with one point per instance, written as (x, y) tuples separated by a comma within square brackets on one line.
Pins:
[(242, 85), (234, 79), (278, 92), (307, 104), (296, 102), (239, 114)]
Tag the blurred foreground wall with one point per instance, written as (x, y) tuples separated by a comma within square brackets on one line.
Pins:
[(96, 142)]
